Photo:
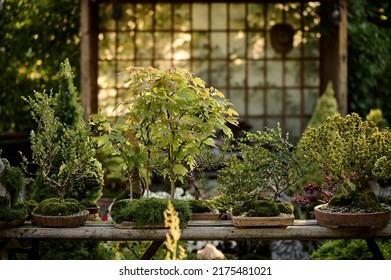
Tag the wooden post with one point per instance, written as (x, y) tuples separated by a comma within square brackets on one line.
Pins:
[(89, 48), (333, 49)]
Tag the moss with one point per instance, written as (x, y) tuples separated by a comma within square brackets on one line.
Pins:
[(201, 206), (148, 211), (19, 211), (12, 179), (356, 202), (263, 208), (54, 207)]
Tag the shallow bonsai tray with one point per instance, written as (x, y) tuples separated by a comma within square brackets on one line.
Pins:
[(14, 223), (282, 220), (205, 216), (335, 219), (60, 221)]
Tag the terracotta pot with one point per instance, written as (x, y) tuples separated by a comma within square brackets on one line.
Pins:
[(93, 213), (283, 220), (60, 221), (335, 219)]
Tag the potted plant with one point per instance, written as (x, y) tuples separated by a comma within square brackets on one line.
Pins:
[(354, 154), (147, 212), (167, 119), (203, 210), (261, 168), (13, 211), (46, 148)]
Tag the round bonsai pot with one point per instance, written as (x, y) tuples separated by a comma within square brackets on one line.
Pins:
[(60, 221), (334, 219), (14, 223), (93, 213)]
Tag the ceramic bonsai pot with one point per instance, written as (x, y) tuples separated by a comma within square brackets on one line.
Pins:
[(334, 219)]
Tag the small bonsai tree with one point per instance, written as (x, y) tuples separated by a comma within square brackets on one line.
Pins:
[(168, 118), (353, 153), (46, 146), (11, 185), (261, 169), (88, 184)]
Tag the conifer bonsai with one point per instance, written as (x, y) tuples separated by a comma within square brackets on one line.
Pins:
[(354, 154), (67, 141)]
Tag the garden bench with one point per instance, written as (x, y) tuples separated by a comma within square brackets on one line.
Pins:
[(195, 231)]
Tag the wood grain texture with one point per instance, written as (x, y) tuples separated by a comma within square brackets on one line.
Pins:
[(197, 230)]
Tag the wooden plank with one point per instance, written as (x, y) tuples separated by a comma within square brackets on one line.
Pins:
[(217, 230)]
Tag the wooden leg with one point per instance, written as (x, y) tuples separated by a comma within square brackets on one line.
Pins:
[(152, 249), (4, 250), (374, 248)]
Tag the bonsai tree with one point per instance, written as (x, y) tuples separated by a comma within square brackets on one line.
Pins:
[(168, 117), (46, 147), (262, 167), (11, 185), (353, 154)]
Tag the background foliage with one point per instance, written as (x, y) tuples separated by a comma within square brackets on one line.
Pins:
[(36, 37)]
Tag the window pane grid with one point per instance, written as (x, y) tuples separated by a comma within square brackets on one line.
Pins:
[(226, 44)]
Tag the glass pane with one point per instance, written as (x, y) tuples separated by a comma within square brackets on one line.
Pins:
[(311, 45), (181, 46), (237, 14), (274, 73), (200, 68), (106, 74), (125, 50), (200, 43), (162, 64), (292, 101), (219, 74), (256, 102), (274, 14), (256, 45), (293, 15), (200, 16), (270, 52), (106, 46), (218, 45), (219, 16), (293, 127), (274, 102), (237, 44), (163, 16), (297, 43), (237, 73), (107, 101), (255, 124), (182, 17), (127, 21), (106, 22), (310, 98), (256, 73), (293, 73), (272, 122), (144, 16), (163, 45), (255, 18), (236, 97), (144, 45), (311, 73)]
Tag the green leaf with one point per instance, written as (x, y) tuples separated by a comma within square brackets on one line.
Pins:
[(179, 169)]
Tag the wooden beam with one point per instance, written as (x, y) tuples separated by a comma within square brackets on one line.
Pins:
[(333, 48), (88, 83), (218, 230)]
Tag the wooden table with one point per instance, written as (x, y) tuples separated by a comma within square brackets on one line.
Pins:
[(197, 230)]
